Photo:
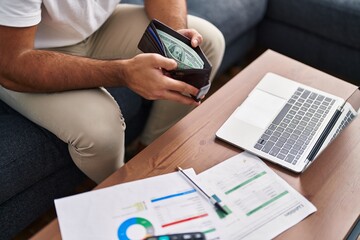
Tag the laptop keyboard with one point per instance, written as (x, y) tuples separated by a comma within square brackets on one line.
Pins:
[(293, 128), (348, 118)]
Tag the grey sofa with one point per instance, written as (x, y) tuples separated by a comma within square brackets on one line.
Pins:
[(35, 166), (324, 34)]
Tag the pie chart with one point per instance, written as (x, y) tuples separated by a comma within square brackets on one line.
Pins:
[(135, 228)]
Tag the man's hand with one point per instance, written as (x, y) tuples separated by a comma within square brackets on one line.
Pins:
[(174, 14), (193, 35), (144, 74)]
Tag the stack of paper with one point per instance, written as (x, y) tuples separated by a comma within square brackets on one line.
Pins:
[(261, 205)]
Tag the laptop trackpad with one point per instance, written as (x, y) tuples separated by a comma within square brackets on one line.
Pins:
[(260, 108)]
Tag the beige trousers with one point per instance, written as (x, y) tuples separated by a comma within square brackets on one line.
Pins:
[(90, 121)]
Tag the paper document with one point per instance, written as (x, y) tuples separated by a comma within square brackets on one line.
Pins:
[(139, 209), (260, 204)]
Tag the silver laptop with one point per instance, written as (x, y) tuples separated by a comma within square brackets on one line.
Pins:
[(288, 123)]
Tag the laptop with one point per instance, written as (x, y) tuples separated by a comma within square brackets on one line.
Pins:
[(288, 123)]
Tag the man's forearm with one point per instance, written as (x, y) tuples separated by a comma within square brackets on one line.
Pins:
[(48, 71), (170, 12)]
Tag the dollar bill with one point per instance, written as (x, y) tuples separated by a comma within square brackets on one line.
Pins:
[(183, 54)]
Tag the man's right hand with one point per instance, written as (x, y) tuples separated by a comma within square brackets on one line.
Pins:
[(144, 74)]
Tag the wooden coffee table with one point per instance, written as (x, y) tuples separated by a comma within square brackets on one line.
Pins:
[(332, 183)]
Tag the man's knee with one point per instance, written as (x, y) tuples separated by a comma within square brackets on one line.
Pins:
[(98, 147), (214, 39), (104, 137)]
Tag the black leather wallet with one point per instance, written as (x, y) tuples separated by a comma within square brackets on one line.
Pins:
[(151, 42)]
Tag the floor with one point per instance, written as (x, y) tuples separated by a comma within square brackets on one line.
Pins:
[(51, 214)]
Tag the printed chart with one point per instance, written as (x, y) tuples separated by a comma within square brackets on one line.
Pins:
[(261, 201), (135, 228), (155, 206), (191, 213)]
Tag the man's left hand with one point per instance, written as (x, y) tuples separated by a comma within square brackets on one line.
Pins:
[(193, 35)]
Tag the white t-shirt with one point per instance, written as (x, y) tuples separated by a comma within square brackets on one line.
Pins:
[(61, 22)]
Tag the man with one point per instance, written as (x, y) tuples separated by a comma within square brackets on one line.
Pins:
[(58, 55)]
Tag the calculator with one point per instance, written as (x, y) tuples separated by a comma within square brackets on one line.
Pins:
[(179, 236)]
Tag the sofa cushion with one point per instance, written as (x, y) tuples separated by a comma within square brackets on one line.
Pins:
[(232, 17), (26, 206), (28, 154), (338, 20)]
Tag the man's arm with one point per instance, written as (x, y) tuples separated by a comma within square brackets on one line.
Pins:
[(171, 12), (25, 69), (174, 14)]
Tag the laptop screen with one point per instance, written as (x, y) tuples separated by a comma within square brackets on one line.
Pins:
[(354, 100)]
